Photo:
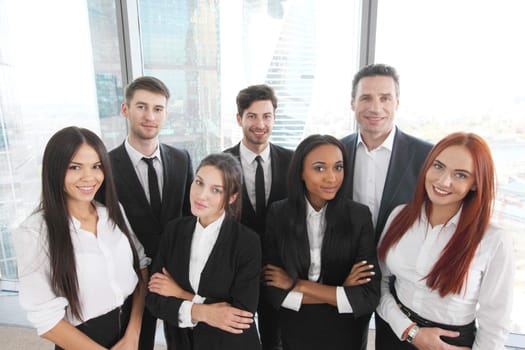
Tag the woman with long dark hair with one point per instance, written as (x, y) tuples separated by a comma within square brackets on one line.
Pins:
[(320, 255), (205, 282), (79, 265), (447, 271)]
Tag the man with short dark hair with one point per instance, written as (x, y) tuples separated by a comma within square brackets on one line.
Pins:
[(265, 168), (384, 161), (152, 179)]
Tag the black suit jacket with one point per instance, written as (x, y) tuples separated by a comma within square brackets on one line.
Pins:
[(177, 175), (408, 155), (281, 158), (320, 326), (231, 275)]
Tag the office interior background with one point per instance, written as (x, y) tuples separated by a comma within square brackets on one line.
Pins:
[(65, 62)]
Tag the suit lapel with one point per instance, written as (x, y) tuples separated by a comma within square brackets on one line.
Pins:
[(247, 209), (351, 157), (401, 155), (277, 173), (184, 251), (169, 179), (128, 176), (222, 242)]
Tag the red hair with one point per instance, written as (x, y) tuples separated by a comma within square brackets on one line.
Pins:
[(450, 272)]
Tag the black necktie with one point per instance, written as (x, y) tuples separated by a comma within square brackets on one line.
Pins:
[(153, 182), (260, 196)]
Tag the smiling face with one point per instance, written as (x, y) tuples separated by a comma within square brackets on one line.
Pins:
[(449, 179), (323, 173), (146, 113), (257, 123), (84, 176), (375, 106), (207, 195)]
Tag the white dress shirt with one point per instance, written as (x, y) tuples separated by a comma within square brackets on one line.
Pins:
[(141, 167), (249, 166), (104, 264), (486, 297), (316, 224), (370, 170), (202, 244)]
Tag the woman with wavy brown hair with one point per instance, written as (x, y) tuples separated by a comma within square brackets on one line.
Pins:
[(447, 271)]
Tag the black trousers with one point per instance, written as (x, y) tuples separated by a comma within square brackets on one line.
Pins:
[(268, 321), (109, 328)]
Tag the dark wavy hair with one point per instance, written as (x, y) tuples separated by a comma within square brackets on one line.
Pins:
[(253, 93), (449, 273), (294, 252), (231, 171), (59, 151)]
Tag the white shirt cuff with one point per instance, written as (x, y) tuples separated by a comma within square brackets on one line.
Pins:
[(293, 301), (343, 305), (185, 320)]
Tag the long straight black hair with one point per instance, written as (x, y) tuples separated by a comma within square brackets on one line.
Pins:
[(295, 252), (58, 153)]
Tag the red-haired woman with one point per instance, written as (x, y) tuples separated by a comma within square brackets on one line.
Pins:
[(447, 271)]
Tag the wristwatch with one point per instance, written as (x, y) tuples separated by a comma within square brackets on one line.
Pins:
[(412, 333)]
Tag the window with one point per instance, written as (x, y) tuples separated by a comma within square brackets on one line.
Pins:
[(206, 51), (51, 77), (461, 69)]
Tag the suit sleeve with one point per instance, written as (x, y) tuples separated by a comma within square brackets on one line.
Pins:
[(364, 298), (245, 287), (165, 308)]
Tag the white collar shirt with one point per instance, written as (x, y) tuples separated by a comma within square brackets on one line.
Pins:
[(316, 226), (141, 167), (249, 166), (202, 243), (104, 265), (486, 297), (370, 171)]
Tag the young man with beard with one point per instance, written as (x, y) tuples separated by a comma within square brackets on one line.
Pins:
[(152, 179), (265, 169)]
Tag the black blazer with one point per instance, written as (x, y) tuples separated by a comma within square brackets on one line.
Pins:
[(177, 175), (320, 326), (281, 158), (408, 155), (231, 275)]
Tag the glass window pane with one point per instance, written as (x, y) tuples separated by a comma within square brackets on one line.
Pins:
[(206, 51), (461, 68), (51, 76)]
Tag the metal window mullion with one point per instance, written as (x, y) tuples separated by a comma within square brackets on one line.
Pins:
[(368, 32), (130, 47)]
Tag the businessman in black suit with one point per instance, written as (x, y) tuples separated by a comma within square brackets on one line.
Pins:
[(256, 107), (152, 190), (385, 162)]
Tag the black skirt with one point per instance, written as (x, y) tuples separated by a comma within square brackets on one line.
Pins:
[(109, 328)]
